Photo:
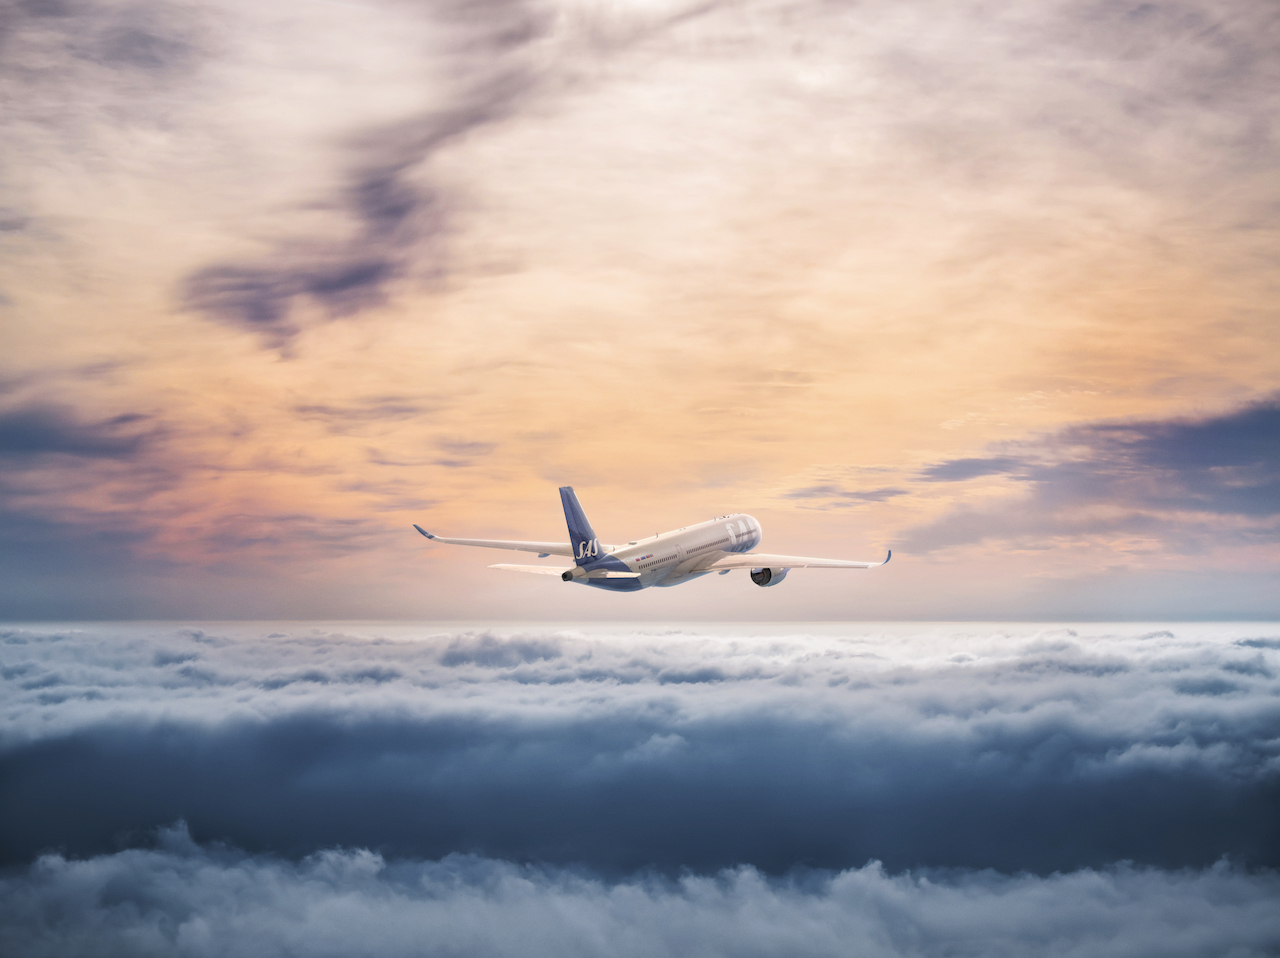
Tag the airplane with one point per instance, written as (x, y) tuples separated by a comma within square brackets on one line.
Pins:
[(667, 559)]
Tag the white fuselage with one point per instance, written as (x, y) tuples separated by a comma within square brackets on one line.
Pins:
[(671, 558)]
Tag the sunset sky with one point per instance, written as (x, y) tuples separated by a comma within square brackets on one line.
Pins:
[(992, 284)]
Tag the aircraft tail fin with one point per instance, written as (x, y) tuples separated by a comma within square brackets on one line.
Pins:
[(581, 536)]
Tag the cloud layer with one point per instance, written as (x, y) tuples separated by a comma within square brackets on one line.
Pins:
[(394, 789), (181, 899), (1037, 750)]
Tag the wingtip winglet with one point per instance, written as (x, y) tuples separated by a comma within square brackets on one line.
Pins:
[(423, 531), (887, 558)]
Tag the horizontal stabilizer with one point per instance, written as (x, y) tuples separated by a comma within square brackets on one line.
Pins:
[(611, 574)]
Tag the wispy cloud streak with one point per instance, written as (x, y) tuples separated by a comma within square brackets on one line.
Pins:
[(399, 217)]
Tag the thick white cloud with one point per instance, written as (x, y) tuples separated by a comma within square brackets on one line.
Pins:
[(401, 789)]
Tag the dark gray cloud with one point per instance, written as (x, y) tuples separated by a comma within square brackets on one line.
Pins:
[(12, 221), (38, 35), (355, 416), (1168, 478), (1260, 643), (133, 41), (398, 215), (181, 898), (466, 447), (42, 428), (1038, 751), (260, 296), (957, 470), (285, 530), (828, 491), (65, 64)]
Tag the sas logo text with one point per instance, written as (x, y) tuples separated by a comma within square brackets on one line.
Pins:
[(588, 549)]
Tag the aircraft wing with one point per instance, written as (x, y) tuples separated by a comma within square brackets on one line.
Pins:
[(760, 560), (542, 548), (535, 569), (560, 570)]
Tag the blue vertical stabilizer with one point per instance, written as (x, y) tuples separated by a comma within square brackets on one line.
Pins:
[(582, 537)]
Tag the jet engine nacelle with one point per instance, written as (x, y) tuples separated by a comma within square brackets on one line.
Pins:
[(767, 577)]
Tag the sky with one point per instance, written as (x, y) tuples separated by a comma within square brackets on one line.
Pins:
[(992, 285), (809, 789)]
